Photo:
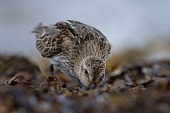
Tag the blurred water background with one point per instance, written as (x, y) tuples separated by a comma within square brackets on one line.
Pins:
[(126, 23)]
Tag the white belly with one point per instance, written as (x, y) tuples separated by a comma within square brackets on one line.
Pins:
[(62, 64)]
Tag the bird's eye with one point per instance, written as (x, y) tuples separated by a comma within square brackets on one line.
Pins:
[(86, 72)]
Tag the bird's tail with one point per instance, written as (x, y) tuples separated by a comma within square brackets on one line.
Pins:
[(39, 30)]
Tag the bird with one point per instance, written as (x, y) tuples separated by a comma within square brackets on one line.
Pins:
[(76, 49)]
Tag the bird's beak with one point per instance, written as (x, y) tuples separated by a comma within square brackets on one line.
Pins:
[(80, 83), (92, 86)]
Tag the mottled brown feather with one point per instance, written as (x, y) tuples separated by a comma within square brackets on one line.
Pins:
[(53, 38)]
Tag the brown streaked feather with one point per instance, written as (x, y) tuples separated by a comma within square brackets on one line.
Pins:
[(53, 40), (96, 48)]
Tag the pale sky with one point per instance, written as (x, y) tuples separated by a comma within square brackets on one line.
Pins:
[(126, 23)]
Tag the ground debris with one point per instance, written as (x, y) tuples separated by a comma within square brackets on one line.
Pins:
[(128, 88)]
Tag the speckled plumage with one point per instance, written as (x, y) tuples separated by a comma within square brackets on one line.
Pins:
[(77, 49)]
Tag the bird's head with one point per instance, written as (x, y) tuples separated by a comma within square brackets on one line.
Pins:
[(91, 72)]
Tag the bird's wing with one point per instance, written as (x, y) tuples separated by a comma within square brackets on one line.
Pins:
[(54, 39), (51, 39)]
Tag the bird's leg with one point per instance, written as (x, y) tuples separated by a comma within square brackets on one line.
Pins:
[(54, 79), (52, 70)]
